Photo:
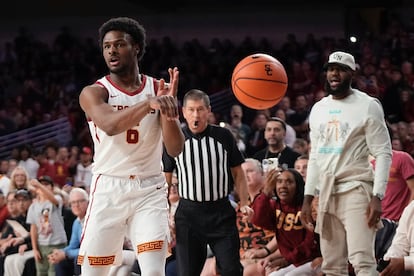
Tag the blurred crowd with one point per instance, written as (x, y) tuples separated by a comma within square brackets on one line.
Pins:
[(40, 81)]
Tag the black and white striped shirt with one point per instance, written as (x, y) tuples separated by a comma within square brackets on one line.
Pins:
[(203, 167)]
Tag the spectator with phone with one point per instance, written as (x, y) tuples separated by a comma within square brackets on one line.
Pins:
[(276, 149)]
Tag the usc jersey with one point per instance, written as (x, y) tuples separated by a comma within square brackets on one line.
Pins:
[(136, 151)]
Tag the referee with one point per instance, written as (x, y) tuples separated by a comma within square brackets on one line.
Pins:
[(207, 168)]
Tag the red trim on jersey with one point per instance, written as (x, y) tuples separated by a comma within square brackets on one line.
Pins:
[(156, 84), (133, 93), (91, 197), (96, 133), (103, 86), (100, 83)]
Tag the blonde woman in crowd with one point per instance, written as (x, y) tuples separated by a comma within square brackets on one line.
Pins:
[(19, 179)]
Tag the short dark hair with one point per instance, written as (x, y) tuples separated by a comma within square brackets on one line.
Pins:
[(126, 25), (24, 193), (26, 147), (277, 119), (195, 94), (303, 157), (45, 178)]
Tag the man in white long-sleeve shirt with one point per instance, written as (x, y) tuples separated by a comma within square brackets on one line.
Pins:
[(345, 128), (401, 252)]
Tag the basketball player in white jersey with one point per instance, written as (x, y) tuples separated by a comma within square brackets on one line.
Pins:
[(130, 115)]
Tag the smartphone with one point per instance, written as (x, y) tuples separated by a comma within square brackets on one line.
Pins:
[(270, 164)]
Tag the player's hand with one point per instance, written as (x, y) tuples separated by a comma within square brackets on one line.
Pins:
[(394, 268), (167, 105), (373, 212), (170, 88), (316, 263), (306, 214)]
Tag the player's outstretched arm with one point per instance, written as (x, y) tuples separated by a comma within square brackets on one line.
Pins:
[(173, 136), (93, 101)]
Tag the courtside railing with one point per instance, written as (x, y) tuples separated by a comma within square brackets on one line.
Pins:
[(222, 101), (58, 130)]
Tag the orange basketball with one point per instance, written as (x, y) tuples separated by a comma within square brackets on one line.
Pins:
[(259, 81)]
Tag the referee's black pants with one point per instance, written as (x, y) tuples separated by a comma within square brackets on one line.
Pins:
[(201, 223)]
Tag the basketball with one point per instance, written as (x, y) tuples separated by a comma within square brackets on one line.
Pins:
[(259, 81)]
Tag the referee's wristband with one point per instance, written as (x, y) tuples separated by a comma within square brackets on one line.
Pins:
[(267, 250)]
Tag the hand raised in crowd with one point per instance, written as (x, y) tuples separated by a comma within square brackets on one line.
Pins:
[(36, 185), (269, 187)]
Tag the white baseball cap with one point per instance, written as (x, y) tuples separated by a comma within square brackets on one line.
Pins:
[(341, 58)]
